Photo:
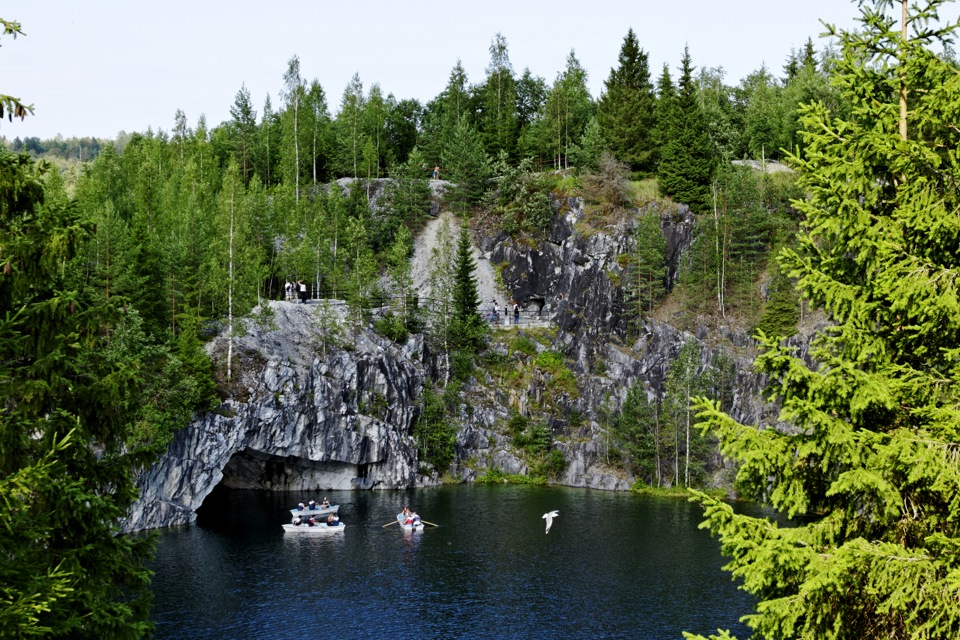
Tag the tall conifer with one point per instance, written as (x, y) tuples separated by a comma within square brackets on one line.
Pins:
[(686, 157), (66, 474), (626, 109), (868, 466)]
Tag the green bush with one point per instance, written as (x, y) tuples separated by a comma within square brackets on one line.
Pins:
[(524, 345), (392, 327), (550, 361)]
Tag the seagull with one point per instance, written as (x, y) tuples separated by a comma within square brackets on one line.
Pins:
[(549, 518)]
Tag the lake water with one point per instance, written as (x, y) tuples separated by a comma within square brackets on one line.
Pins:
[(614, 565)]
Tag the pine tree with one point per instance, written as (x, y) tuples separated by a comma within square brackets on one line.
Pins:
[(686, 155), (868, 468), (626, 109)]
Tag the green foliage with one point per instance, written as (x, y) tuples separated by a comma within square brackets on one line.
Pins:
[(607, 190), (467, 330), (393, 327), (551, 464), (550, 361), (407, 195), (645, 268), (519, 198), (467, 166), (498, 122), (567, 110), (690, 447), (731, 246), (686, 154), (523, 344), (66, 453), (435, 432), (586, 155), (626, 110), (868, 468), (781, 311), (535, 441), (639, 431)]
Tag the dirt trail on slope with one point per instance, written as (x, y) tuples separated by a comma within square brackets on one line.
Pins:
[(485, 274)]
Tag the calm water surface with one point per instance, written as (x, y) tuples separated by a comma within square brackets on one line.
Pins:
[(613, 566)]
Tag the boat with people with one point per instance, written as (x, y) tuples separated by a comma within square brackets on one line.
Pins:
[(314, 509), (310, 524), (409, 521)]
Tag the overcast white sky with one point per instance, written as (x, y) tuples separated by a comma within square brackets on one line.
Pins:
[(105, 66)]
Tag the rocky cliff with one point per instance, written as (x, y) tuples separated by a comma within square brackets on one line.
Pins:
[(310, 412)]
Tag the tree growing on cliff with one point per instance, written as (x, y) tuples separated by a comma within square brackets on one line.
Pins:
[(869, 466), (468, 328), (645, 268)]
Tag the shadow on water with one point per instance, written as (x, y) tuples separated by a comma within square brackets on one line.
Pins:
[(613, 565)]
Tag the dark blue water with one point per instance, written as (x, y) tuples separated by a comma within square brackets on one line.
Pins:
[(613, 566)]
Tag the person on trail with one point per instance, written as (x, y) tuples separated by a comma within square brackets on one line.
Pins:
[(516, 312), (288, 290), (303, 292), (436, 172)]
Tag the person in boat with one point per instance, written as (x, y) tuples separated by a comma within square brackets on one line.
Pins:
[(312, 505), (325, 504), (406, 515), (300, 507), (312, 522), (296, 521), (414, 519), (333, 520)]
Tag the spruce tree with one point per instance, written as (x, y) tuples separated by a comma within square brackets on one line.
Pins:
[(626, 109), (867, 466), (467, 327), (686, 157), (66, 472), (467, 166)]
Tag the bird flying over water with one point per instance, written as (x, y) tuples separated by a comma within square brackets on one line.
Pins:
[(549, 518)]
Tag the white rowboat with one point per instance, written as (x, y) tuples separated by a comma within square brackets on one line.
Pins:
[(307, 512), (416, 525), (319, 528)]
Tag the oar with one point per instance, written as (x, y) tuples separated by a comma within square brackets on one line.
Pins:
[(390, 523), (429, 523)]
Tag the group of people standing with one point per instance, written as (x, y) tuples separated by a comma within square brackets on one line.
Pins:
[(293, 288), (495, 313)]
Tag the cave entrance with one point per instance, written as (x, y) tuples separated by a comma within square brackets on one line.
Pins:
[(250, 469)]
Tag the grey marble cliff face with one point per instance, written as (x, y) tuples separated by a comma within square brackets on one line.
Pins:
[(309, 412), (302, 416)]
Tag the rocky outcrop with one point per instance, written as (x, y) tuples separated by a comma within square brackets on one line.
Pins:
[(304, 414), (308, 410)]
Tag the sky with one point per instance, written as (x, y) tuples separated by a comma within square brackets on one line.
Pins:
[(101, 67)]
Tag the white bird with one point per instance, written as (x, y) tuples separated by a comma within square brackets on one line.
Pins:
[(549, 518)]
